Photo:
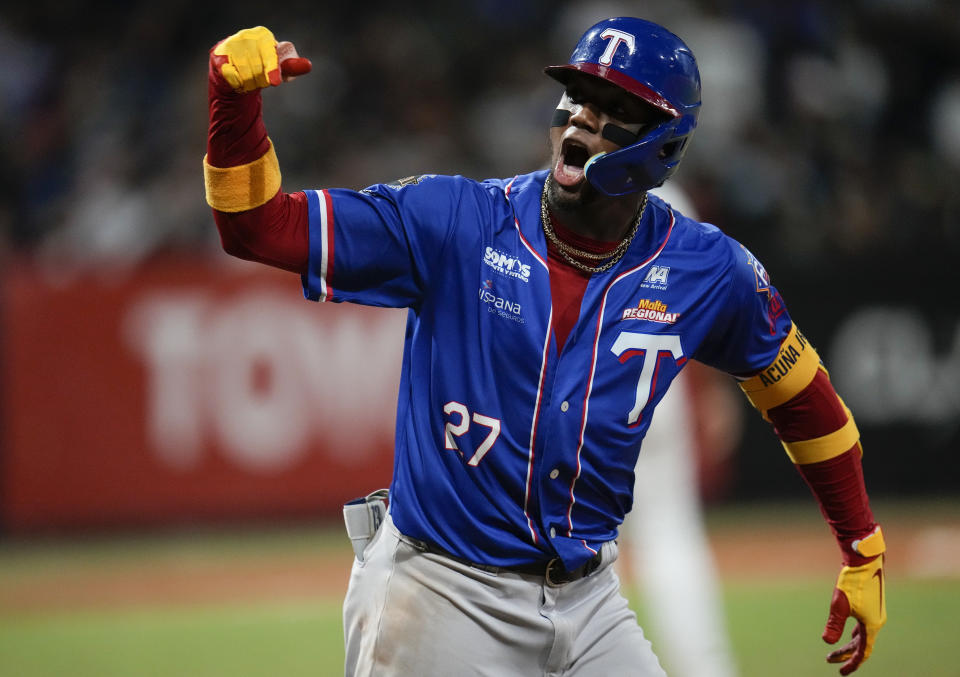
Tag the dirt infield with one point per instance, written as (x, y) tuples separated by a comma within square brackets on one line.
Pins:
[(82, 577)]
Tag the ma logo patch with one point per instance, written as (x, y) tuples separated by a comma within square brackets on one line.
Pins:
[(656, 277)]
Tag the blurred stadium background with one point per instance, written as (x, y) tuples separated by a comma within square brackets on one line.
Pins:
[(179, 429)]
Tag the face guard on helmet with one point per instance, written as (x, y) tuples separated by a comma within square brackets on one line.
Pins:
[(655, 65)]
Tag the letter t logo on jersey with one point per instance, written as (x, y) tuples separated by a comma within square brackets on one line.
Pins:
[(616, 38)]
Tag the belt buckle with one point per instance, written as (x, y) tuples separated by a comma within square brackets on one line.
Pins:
[(582, 571), (551, 565)]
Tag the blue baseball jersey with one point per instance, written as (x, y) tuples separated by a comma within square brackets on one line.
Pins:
[(506, 451)]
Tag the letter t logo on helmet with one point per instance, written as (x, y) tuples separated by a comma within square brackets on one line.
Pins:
[(615, 37), (653, 64)]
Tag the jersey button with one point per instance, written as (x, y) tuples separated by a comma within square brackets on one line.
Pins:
[(553, 532), (564, 405), (554, 474)]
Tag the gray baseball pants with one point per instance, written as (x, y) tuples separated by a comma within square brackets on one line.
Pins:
[(410, 613)]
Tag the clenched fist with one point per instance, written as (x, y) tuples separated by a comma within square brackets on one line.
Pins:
[(252, 59)]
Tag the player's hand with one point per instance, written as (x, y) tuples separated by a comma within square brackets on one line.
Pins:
[(252, 59), (859, 593)]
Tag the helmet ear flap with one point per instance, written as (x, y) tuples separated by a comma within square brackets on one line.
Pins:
[(639, 167)]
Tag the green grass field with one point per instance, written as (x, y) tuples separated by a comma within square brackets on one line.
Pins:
[(774, 624), (766, 623)]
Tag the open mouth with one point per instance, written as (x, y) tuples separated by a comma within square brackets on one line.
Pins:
[(569, 169)]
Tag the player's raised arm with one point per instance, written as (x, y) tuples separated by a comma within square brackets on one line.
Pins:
[(256, 219), (818, 432)]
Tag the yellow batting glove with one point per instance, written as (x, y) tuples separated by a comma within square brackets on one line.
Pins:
[(859, 593), (248, 60)]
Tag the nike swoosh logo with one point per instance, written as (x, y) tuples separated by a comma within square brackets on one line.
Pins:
[(879, 575)]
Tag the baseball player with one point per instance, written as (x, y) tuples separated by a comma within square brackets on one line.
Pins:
[(548, 314)]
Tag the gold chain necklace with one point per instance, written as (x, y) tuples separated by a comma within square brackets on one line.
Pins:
[(568, 252)]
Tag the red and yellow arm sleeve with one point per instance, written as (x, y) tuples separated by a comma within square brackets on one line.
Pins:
[(819, 434), (256, 219)]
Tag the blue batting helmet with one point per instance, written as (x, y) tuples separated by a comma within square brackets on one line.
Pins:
[(655, 65)]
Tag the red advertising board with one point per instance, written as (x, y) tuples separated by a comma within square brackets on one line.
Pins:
[(188, 391)]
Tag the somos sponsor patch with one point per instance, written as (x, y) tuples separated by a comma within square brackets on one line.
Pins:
[(506, 264)]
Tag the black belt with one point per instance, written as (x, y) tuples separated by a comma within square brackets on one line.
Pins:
[(552, 570)]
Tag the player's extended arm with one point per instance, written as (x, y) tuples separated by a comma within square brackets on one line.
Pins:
[(256, 219), (818, 432)]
